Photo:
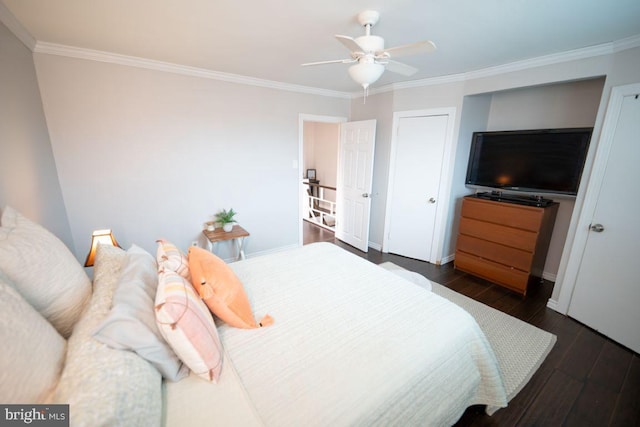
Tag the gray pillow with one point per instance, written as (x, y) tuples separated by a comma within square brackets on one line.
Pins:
[(33, 351), (131, 323), (43, 271)]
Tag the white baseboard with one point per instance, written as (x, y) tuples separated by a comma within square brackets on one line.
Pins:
[(447, 259), (266, 252), (552, 304), (376, 246)]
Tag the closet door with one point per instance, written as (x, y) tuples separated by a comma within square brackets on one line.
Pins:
[(414, 190), (607, 288)]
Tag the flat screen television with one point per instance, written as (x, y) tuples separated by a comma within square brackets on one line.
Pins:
[(535, 161)]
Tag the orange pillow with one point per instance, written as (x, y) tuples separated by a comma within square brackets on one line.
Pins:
[(221, 289)]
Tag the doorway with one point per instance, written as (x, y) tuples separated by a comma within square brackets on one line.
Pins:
[(316, 152)]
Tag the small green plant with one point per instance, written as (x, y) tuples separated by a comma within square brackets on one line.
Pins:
[(225, 216)]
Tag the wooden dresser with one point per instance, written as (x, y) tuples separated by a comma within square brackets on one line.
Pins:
[(504, 243)]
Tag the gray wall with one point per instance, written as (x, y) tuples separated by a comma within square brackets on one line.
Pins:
[(473, 117), (571, 93), (28, 175), (564, 105), (153, 154)]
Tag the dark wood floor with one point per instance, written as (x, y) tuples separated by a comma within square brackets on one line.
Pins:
[(587, 379)]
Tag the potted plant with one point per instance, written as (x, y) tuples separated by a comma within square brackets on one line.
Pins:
[(225, 218)]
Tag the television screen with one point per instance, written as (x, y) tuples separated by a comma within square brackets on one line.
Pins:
[(537, 161)]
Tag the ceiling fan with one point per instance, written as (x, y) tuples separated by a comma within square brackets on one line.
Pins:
[(369, 56)]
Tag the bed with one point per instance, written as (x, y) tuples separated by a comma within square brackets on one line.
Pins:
[(351, 344)]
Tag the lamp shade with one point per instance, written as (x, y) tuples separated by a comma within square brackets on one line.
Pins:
[(102, 237), (366, 73)]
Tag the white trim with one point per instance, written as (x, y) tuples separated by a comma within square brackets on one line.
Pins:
[(266, 252), (150, 64), (578, 246), (445, 177), (10, 21), (628, 43), (7, 17), (552, 304), (301, 119), (375, 246), (431, 81), (540, 61), (95, 55), (555, 58), (447, 259)]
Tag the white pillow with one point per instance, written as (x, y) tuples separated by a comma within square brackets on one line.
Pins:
[(104, 386), (131, 323), (43, 270), (33, 351)]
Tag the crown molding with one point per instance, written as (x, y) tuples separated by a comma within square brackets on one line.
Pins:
[(628, 43), (556, 58), (10, 21), (540, 61), (132, 61)]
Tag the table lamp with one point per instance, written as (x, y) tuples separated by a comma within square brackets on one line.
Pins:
[(103, 237)]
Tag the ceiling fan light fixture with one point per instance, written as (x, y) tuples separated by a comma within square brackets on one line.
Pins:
[(372, 57), (366, 73)]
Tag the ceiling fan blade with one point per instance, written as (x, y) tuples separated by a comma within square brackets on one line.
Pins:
[(425, 46), (334, 61), (349, 43), (399, 67)]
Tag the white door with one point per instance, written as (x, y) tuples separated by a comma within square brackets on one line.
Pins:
[(606, 295), (355, 175), (416, 167)]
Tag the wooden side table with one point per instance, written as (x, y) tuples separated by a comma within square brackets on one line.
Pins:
[(218, 235)]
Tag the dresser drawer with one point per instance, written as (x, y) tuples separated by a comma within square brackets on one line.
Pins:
[(523, 217), (511, 278), (494, 252), (513, 237)]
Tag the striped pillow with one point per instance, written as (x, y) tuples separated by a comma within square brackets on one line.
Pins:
[(171, 258), (187, 325)]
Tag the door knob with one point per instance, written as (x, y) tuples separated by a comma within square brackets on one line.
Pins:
[(598, 228), (365, 195), (432, 200)]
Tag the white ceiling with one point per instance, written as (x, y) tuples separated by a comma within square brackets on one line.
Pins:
[(269, 39)]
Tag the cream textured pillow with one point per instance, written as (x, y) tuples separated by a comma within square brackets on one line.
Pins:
[(33, 351), (187, 325), (104, 386), (43, 270), (131, 323)]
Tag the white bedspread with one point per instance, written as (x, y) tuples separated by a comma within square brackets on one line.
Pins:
[(352, 344)]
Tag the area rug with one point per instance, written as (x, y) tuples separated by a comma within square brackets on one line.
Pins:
[(520, 348)]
